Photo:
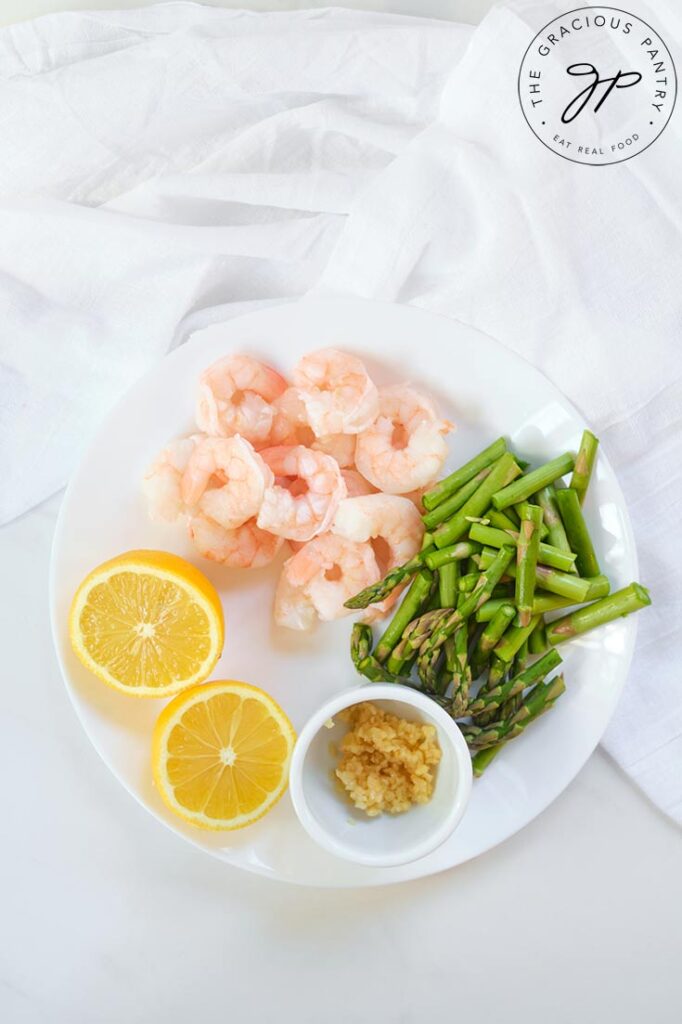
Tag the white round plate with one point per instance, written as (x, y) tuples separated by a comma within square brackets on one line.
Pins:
[(488, 391)]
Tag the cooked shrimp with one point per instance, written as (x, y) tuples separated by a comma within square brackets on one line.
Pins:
[(161, 484), (356, 485), (247, 547), (336, 392), (235, 397), (226, 479), (304, 504), (340, 446), (288, 424), (404, 448), (391, 523), (320, 577)]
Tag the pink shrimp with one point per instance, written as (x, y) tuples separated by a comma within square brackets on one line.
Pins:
[(340, 446), (162, 483), (303, 505), (404, 448), (226, 479), (235, 397), (317, 581), (335, 392), (246, 547), (356, 485), (391, 523)]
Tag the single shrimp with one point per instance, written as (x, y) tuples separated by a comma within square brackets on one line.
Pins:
[(317, 580), (404, 448), (235, 397), (226, 480), (246, 547), (356, 485), (335, 391), (305, 503), (391, 524), (162, 483), (340, 446)]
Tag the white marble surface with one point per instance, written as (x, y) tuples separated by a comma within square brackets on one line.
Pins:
[(107, 917)]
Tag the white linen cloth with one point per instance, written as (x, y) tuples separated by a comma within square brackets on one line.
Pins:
[(168, 167)]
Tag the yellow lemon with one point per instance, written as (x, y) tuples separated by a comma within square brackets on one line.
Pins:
[(147, 623), (220, 754)]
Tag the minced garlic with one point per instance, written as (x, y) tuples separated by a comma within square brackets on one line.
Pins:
[(387, 763)]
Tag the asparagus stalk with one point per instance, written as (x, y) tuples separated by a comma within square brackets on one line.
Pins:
[(453, 504), (547, 554), (448, 576), (522, 489), (432, 634), (379, 591), (540, 699), (490, 700), (544, 602), (488, 611), (573, 588), (465, 584), (576, 530), (502, 520), (462, 674), (360, 643), (455, 553), (490, 637), (411, 605), (521, 508), (623, 602), (527, 560), (513, 639), (503, 472), (584, 464), (599, 587), (537, 641), (452, 483), (556, 535)]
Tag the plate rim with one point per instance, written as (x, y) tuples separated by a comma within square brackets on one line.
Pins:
[(411, 869)]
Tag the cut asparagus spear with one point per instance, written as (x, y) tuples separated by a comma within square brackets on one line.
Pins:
[(493, 737), (537, 641), (553, 580), (448, 576), (503, 472), (454, 503), (623, 602), (490, 637), (455, 553), (584, 464), (576, 530), (547, 554), (492, 699), (527, 560), (432, 633), (522, 489), (447, 487), (409, 608), (462, 675), (379, 591), (556, 535), (513, 639), (521, 509)]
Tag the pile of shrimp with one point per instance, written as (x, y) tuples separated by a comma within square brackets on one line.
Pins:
[(327, 466)]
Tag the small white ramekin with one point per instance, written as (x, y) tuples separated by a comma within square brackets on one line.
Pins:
[(386, 840)]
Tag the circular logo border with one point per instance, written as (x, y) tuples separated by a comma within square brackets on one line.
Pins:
[(576, 10)]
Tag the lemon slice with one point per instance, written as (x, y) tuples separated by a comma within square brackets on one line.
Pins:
[(147, 623), (220, 754)]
